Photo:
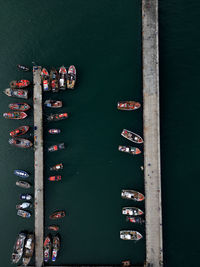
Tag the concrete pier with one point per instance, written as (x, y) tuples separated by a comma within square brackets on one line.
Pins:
[(151, 123), (38, 160)]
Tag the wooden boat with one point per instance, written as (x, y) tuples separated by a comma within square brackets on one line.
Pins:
[(18, 248), (62, 78), (129, 149), (21, 173), (55, 178), (56, 147), (131, 194), (19, 84), (22, 67), (130, 235), (57, 117), (71, 77), (132, 211), (26, 197), (47, 248), (54, 80), (18, 93), (55, 248), (53, 227), (133, 219), (20, 142), (19, 106), (23, 213), (54, 131), (45, 80), (23, 184), (133, 137), (28, 249), (24, 205), (15, 115), (53, 103), (57, 215), (128, 105), (19, 131), (57, 167)]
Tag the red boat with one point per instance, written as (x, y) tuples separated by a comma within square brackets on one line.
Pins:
[(19, 131), (55, 178), (19, 84), (57, 215), (57, 117), (128, 105), (15, 115), (19, 106), (53, 228)]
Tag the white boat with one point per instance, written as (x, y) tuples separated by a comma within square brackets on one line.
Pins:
[(130, 235)]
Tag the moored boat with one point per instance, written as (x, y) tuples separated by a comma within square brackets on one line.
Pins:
[(133, 137), (15, 115), (19, 131), (54, 80), (18, 248), (57, 167), (56, 147), (19, 93), (129, 149), (28, 249), (54, 131), (22, 67), (45, 79), (132, 211), (47, 248), (26, 197), (128, 105), (53, 227), (55, 247), (19, 84), (71, 77), (24, 205), (55, 178), (57, 117), (62, 78), (53, 103), (23, 184), (21, 173), (131, 194), (134, 219), (57, 215), (23, 213), (19, 106), (130, 235), (20, 142)]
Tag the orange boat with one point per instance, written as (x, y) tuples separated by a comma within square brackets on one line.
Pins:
[(57, 215), (53, 228), (15, 115), (128, 105), (55, 178), (19, 84), (19, 131)]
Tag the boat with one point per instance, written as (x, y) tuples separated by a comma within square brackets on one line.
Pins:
[(47, 248), (28, 249), (54, 131), (20, 142), (45, 79), (128, 105), (56, 147), (55, 178), (133, 137), (19, 106), (54, 80), (19, 84), (57, 215), (24, 205), (129, 149), (23, 184), (57, 117), (26, 197), (132, 211), (23, 213), (130, 235), (57, 167), (15, 115), (55, 247), (71, 77), (131, 194), (53, 227), (18, 248), (53, 103), (22, 67), (19, 93), (62, 78), (21, 173), (19, 131), (134, 219)]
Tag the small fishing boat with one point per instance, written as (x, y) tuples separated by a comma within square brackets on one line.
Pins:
[(18, 93), (57, 167), (54, 80), (54, 131), (53, 103), (28, 249), (131, 194), (62, 78), (56, 147), (71, 77), (55, 247), (15, 115), (134, 219), (129, 149), (23, 184), (133, 137), (23, 213), (18, 248), (53, 227), (20, 142), (19, 106), (47, 248), (128, 105), (26, 197), (45, 80), (19, 84), (21, 173), (24, 205), (55, 178), (22, 67), (57, 215), (132, 211), (19, 131), (130, 235), (57, 117)]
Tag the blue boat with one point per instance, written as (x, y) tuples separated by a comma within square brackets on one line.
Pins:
[(21, 173)]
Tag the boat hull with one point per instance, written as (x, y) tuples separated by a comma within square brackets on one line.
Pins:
[(47, 248), (19, 84), (19, 106), (132, 194), (132, 211), (71, 77), (133, 137), (128, 105), (56, 147), (57, 117), (15, 115), (18, 248), (20, 142), (57, 167), (18, 93), (57, 215), (21, 173), (28, 249), (53, 103), (130, 150), (130, 235), (19, 131), (23, 184)]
